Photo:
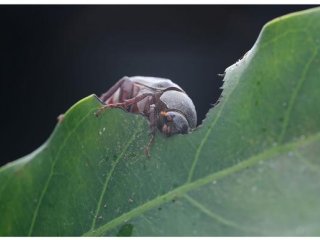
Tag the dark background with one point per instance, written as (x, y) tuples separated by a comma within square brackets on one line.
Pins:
[(52, 56)]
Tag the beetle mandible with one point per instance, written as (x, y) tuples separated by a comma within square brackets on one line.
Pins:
[(164, 103)]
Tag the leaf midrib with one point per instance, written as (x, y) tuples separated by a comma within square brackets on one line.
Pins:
[(249, 162)]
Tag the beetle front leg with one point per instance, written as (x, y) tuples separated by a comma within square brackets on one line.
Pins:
[(153, 125), (125, 104)]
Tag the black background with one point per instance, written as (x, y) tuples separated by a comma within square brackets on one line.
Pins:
[(52, 56)]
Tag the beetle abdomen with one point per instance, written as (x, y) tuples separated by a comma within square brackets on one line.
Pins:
[(115, 98)]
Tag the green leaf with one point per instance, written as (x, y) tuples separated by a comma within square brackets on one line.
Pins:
[(252, 168)]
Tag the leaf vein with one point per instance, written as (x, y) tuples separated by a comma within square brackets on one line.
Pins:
[(105, 186), (205, 138), (294, 95), (215, 216), (312, 166)]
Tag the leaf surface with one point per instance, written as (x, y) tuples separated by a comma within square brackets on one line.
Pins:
[(251, 168)]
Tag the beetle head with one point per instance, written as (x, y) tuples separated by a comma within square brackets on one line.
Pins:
[(173, 122), (179, 102)]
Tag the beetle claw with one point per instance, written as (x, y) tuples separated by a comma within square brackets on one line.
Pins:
[(100, 110)]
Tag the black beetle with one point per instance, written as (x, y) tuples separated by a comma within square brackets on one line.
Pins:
[(163, 102)]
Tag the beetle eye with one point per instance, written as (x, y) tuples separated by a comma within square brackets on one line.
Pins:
[(170, 118), (167, 117)]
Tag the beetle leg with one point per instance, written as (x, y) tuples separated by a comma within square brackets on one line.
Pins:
[(125, 104), (152, 118), (152, 124), (150, 143), (114, 88)]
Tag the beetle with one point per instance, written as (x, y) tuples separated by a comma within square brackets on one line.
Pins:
[(165, 104)]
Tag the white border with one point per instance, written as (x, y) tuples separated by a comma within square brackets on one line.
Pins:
[(166, 238), (277, 2)]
